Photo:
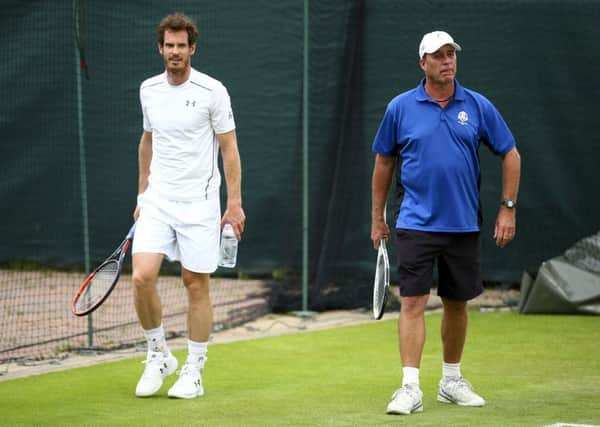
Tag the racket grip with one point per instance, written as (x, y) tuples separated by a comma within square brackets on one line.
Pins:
[(131, 231)]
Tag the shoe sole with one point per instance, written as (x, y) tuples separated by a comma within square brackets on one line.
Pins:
[(186, 396), (443, 399), (418, 408), (146, 395)]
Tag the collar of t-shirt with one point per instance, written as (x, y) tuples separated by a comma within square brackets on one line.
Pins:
[(422, 96)]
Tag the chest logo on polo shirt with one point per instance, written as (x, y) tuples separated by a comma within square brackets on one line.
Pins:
[(188, 103), (463, 117)]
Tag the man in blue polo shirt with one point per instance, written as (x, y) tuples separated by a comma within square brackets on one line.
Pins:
[(431, 136)]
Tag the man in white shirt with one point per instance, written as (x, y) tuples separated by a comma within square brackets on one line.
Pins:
[(187, 120)]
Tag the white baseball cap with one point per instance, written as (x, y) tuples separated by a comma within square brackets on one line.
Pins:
[(434, 40)]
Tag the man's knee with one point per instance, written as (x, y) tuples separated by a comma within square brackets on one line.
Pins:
[(145, 270), (413, 306), (143, 280), (197, 285), (454, 306)]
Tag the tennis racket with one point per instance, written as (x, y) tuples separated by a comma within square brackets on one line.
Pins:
[(99, 284), (381, 282)]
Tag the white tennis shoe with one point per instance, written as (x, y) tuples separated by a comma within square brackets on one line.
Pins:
[(189, 384), (158, 366), (406, 400), (458, 391)]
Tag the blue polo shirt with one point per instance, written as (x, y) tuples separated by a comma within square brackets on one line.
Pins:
[(438, 169)]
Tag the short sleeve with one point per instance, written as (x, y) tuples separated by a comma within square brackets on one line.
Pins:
[(221, 114), (145, 121), (387, 134), (496, 133)]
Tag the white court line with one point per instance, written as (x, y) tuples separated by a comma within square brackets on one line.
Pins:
[(571, 425)]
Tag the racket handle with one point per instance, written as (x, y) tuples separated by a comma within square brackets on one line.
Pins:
[(131, 231)]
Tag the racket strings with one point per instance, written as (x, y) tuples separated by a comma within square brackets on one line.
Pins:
[(381, 282), (380, 278), (97, 288)]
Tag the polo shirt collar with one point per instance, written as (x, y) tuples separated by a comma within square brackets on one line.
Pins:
[(459, 92)]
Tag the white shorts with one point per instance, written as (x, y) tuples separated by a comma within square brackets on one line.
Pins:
[(188, 232)]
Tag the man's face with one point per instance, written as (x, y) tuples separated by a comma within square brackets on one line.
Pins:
[(176, 51), (440, 66)]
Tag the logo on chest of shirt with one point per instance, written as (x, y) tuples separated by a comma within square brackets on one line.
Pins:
[(463, 117), (189, 103)]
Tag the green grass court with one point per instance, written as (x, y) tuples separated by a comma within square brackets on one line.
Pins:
[(532, 370)]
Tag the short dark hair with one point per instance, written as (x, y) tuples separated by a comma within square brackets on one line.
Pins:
[(177, 22)]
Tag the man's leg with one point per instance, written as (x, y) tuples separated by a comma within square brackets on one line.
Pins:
[(453, 387), (146, 267), (159, 361), (411, 340), (454, 329), (459, 281), (189, 384), (411, 330), (200, 307), (416, 252)]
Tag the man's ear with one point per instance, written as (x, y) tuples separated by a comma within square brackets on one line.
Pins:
[(193, 49), (159, 48)]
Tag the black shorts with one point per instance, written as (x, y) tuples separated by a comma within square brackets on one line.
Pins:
[(458, 260)]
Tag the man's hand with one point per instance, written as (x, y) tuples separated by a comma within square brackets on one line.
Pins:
[(505, 229), (235, 216), (379, 230)]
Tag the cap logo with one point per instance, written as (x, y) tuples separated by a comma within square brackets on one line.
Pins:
[(463, 118)]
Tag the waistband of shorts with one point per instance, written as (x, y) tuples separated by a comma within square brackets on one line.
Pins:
[(152, 191)]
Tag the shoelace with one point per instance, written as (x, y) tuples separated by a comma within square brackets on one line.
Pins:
[(153, 362), (460, 385), (406, 390), (187, 370), (152, 359)]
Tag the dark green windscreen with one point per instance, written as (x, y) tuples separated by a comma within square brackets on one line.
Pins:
[(536, 61)]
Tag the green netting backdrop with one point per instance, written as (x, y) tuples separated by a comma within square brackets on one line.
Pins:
[(534, 59)]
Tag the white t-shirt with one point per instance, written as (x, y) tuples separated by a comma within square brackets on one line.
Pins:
[(184, 121)]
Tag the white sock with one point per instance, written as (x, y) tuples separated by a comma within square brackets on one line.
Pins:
[(451, 370), (156, 340), (197, 353), (410, 376)]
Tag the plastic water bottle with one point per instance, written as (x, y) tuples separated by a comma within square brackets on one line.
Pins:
[(229, 246)]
